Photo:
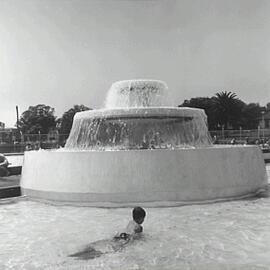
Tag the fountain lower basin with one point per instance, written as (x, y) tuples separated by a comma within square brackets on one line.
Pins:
[(160, 177)]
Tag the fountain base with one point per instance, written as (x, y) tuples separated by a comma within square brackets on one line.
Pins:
[(157, 177)]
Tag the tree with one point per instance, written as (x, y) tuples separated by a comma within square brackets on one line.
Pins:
[(206, 104), (268, 107), (228, 109), (37, 119), (251, 115), (65, 123), (225, 109)]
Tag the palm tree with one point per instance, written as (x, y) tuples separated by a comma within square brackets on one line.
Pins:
[(227, 108)]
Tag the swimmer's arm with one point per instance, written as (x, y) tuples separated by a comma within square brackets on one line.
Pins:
[(124, 236), (137, 231), (117, 235), (130, 232)]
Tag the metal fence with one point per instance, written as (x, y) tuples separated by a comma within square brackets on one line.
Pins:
[(253, 136), (17, 142), (12, 142)]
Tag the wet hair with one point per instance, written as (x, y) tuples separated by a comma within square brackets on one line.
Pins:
[(138, 212)]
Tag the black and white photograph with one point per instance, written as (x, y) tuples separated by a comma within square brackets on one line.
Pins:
[(134, 134)]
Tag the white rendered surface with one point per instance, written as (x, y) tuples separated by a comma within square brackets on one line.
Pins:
[(151, 177), (141, 111)]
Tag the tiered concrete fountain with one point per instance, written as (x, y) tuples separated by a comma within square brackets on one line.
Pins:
[(139, 150)]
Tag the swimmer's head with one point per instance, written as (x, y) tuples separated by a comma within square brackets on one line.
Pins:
[(138, 214)]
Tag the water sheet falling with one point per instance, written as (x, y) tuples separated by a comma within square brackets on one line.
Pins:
[(136, 117)]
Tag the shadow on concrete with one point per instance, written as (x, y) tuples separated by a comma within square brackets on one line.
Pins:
[(10, 186)]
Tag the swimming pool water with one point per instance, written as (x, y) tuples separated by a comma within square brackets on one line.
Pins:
[(228, 235)]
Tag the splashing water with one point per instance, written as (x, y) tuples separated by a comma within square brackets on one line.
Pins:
[(136, 117), (138, 93)]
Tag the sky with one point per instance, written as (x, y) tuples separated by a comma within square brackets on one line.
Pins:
[(66, 52)]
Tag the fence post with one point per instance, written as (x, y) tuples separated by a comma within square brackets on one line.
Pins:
[(39, 139), (240, 134), (263, 125)]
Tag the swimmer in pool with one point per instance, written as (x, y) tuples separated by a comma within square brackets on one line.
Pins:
[(119, 241), (134, 227)]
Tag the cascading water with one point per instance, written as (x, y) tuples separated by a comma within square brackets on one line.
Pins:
[(137, 93), (135, 117), (184, 167)]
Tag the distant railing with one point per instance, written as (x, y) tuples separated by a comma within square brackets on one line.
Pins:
[(239, 136), (17, 143)]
